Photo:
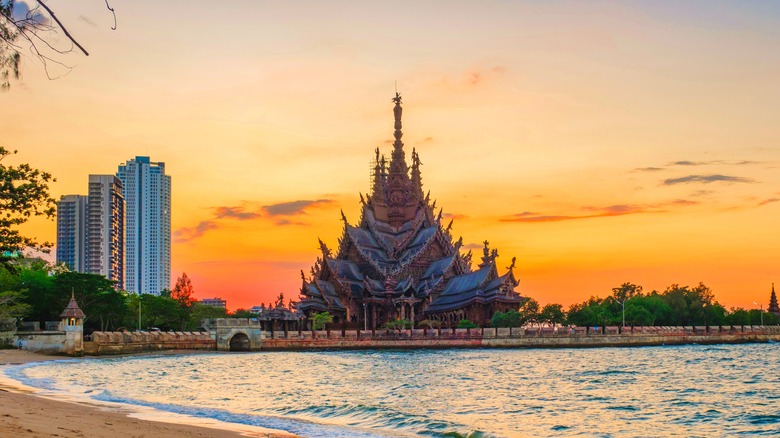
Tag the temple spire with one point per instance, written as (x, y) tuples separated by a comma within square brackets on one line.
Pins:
[(378, 192), (416, 175), (773, 306), (398, 160)]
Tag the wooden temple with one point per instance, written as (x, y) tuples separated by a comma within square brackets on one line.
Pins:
[(400, 262)]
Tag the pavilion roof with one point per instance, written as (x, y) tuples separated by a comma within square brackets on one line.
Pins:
[(73, 310)]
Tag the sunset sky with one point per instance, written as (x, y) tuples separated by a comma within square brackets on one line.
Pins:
[(597, 142)]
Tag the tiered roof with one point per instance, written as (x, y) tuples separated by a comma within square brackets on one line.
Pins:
[(399, 250)]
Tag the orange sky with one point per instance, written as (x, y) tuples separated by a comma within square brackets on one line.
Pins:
[(598, 143)]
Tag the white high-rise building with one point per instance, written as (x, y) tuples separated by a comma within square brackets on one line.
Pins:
[(105, 228), (147, 192)]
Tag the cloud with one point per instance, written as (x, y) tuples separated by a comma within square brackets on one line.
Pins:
[(713, 162), (289, 222), (294, 208), (455, 216), (239, 213), (21, 11), (689, 163), (86, 19), (279, 213), (473, 246), (648, 169), (706, 179), (186, 234), (598, 212), (684, 202), (768, 201)]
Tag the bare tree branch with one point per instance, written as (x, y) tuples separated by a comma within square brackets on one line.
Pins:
[(64, 30), (112, 13)]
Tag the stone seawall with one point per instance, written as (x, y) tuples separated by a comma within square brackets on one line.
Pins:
[(108, 343), (516, 338)]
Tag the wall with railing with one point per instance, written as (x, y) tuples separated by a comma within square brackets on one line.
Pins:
[(517, 337)]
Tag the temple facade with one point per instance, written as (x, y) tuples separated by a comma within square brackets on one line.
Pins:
[(400, 262)]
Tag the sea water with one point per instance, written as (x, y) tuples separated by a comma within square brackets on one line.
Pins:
[(695, 390)]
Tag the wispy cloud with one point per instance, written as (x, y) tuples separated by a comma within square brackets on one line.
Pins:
[(768, 201), (239, 213), (648, 169), (599, 212), (706, 179), (713, 163), (690, 163), (294, 208), (86, 19), (185, 234), (473, 246), (280, 213), (455, 216)]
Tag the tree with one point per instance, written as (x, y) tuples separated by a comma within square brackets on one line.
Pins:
[(429, 323), (594, 312), (465, 323), (318, 320), (37, 284), (399, 324), (24, 193), (243, 313), (529, 312), (104, 306), (626, 291), (199, 312), (12, 305), (552, 314), (21, 26), (182, 292), (156, 312)]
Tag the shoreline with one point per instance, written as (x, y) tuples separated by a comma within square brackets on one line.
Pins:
[(30, 412)]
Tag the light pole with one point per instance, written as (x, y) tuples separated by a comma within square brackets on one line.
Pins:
[(761, 309), (623, 304), (139, 311), (365, 316)]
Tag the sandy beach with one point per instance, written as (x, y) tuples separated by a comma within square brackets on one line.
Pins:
[(25, 414)]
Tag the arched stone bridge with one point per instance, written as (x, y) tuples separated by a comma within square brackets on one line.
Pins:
[(237, 334)]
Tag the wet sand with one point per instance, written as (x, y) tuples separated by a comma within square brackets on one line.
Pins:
[(27, 414)]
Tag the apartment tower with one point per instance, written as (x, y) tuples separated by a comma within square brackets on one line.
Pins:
[(105, 228), (72, 232), (147, 191)]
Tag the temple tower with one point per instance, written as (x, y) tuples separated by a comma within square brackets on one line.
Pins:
[(398, 263), (72, 323), (773, 307)]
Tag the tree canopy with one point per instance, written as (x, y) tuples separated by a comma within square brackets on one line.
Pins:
[(24, 193)]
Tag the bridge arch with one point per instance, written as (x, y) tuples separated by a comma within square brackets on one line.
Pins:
[(239, 342)]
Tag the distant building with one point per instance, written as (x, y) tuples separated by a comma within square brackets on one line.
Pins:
[(105, 228), (773, 307), (72, 232), (214, 302), (148, 225)]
